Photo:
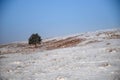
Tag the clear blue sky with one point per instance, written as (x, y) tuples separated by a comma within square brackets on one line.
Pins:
[(50, 18)]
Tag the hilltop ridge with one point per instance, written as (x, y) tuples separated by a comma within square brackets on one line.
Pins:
[(62, 42)]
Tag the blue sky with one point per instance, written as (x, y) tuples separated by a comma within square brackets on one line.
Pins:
[(50, 18)]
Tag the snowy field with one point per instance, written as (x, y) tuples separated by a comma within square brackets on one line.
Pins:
[(96, 58)]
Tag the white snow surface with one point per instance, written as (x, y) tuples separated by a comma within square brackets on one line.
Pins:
[(95, 61)]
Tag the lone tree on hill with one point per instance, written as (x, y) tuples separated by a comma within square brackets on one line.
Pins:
[(35, 39)]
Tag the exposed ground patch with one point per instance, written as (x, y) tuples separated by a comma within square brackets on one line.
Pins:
[(47, 45)]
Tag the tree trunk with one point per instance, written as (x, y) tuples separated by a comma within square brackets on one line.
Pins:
[(35, 45)]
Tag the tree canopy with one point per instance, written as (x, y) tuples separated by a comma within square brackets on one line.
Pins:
[(34, 39)]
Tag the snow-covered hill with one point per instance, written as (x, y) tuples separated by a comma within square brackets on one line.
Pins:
[(84, 56)]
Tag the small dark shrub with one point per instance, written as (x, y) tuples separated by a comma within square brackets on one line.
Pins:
[(34, 39)]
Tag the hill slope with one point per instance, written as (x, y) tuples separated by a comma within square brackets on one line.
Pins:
[(86, 56)]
